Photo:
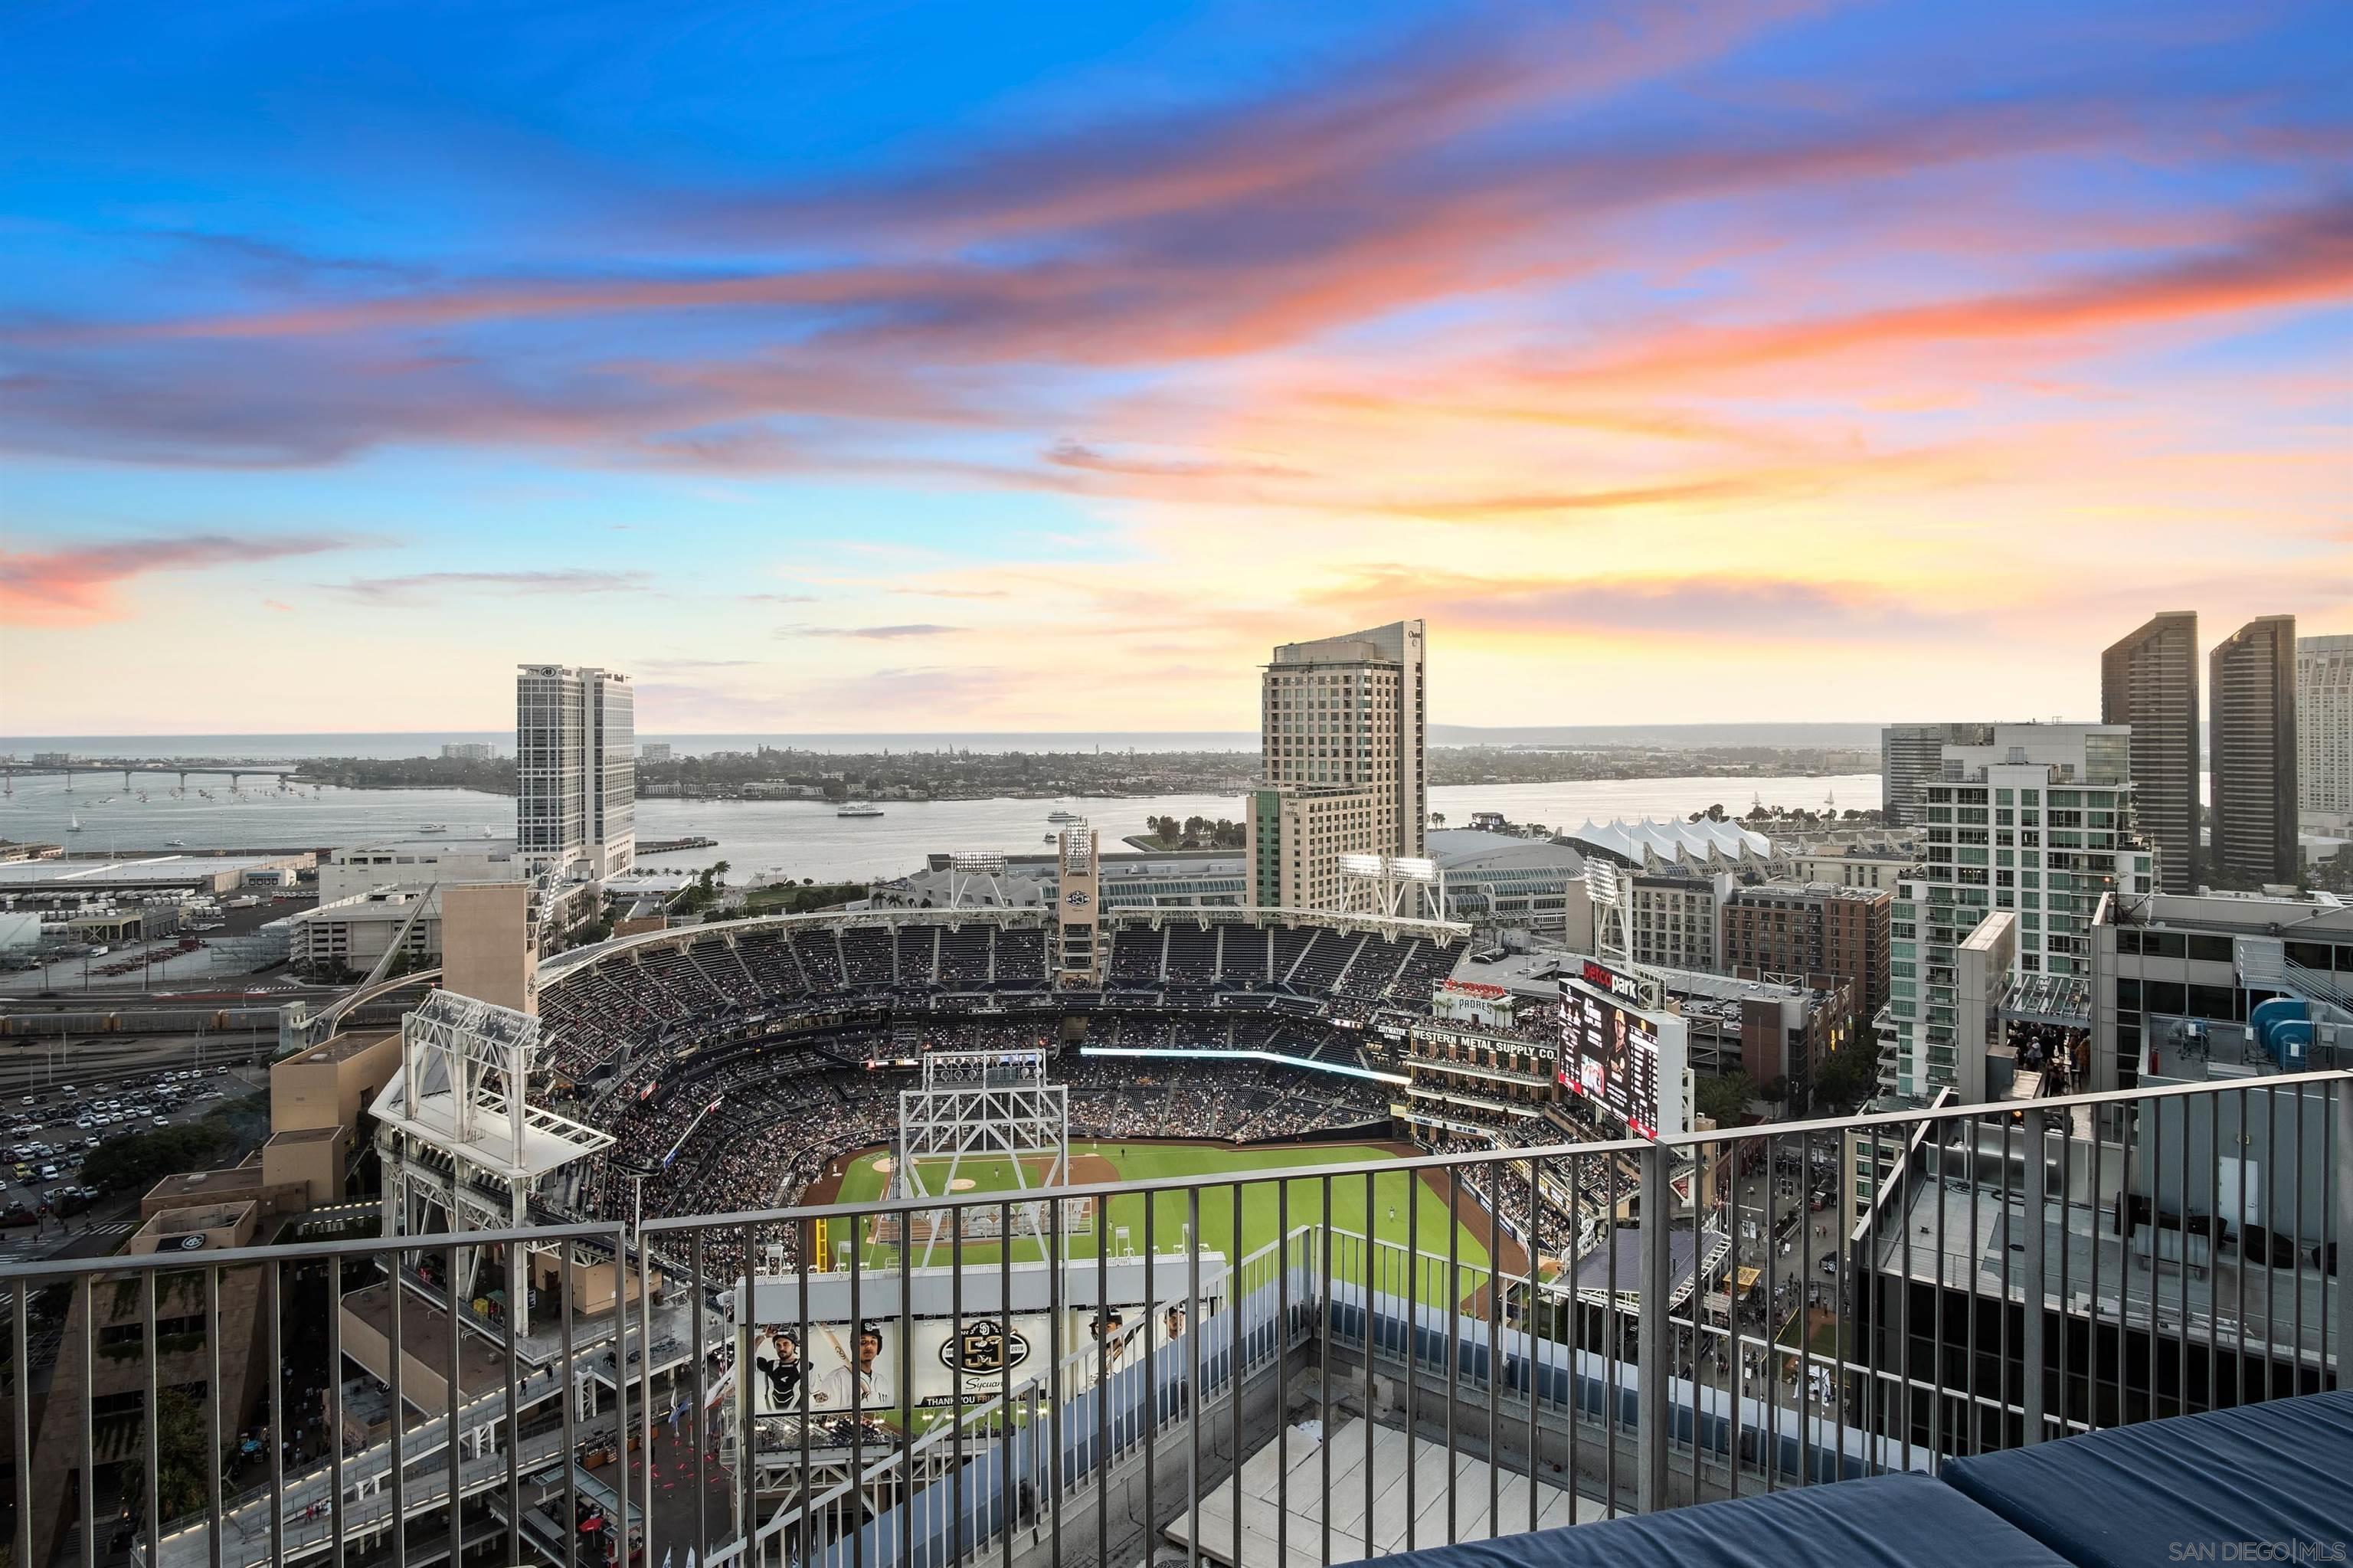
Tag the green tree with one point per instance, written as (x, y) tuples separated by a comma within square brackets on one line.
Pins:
[(1724, 1100), (182, 1474), (1849, 1076), (139, 1160)]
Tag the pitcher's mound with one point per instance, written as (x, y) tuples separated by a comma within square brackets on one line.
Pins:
[(963, 1184), (883, 1165)]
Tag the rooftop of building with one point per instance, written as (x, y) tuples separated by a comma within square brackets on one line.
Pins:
[(434, 844), (1888, 851), (205, 1216), (1617, 1264), (146, 871), (1767, 892), (1475, 849), (1987, 934), (1029, 874), (1529, 974), (194, 1186), (342, 1046), (1377, 645), (2177, 1050), (2255, 914), (2042, 998), (1968, 1235), (1703, 993)]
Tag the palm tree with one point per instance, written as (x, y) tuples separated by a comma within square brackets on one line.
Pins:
[(1437, 819)]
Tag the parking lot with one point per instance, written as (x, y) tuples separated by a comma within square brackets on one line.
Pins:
[(50, 1132)]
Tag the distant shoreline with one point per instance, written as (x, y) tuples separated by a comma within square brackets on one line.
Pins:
[(394, 745)]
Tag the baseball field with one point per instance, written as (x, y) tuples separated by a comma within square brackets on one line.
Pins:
[(865, 1177)]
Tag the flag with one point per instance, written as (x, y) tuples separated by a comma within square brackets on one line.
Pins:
[(666, 1551)]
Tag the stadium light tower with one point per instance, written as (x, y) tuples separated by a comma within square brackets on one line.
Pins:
[(966, 867), (1612, 938), (1398, 887), (458, 1138)]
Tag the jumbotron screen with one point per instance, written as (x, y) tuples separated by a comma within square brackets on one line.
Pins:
[(1609, 1055)]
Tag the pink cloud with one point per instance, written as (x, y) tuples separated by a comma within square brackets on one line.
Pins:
[(80, 584)]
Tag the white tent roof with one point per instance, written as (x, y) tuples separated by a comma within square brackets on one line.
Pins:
[(1703, 842)]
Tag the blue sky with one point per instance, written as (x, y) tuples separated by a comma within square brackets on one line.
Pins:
[(952, 367)]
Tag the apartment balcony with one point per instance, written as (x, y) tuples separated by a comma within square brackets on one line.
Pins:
[(1262, 1369)]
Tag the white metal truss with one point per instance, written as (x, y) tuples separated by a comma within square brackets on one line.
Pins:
[(1393, 887), (970, 868), (985, 1105), (458, 1133), (1605, 890)]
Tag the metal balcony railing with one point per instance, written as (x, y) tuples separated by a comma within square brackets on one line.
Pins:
[(1340, 1360)]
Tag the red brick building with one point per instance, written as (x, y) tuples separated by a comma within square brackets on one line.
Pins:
[(1806, 929)]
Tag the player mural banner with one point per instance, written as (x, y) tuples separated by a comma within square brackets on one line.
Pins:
[(846, 1367)]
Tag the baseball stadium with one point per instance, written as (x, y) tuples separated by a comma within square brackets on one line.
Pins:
[(750, 1065)]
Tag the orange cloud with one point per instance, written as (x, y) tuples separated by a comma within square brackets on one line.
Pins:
[(2304, 258), (1710, 606), (70, 586)]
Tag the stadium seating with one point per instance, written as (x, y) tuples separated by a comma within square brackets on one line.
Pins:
[(733, 1057)]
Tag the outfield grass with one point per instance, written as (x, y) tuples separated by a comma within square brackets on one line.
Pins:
[(1392, 1190)]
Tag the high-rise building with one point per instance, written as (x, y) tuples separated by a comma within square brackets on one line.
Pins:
[(1911, 754), (2038, 823), (653, 751), (2250, 698), (576, 771), (1344, 721), (469, 751), (2149, 680), (2324, 732)]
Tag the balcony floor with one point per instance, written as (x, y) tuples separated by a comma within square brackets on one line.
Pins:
[(1301, 1521)]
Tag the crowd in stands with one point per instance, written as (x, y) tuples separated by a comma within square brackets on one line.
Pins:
[(729, 1066), (734, 1130), (734, 1068), (598, 1014), (1113, 1097)]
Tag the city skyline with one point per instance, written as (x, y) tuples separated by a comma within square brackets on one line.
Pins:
[(908, 372)]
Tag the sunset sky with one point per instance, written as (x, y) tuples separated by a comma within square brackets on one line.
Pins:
[(929, 367)]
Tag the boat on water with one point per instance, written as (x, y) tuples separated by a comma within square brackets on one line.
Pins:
[(73, 823), (1064, 817), (175, 843), (860, 809), (433, 828)]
